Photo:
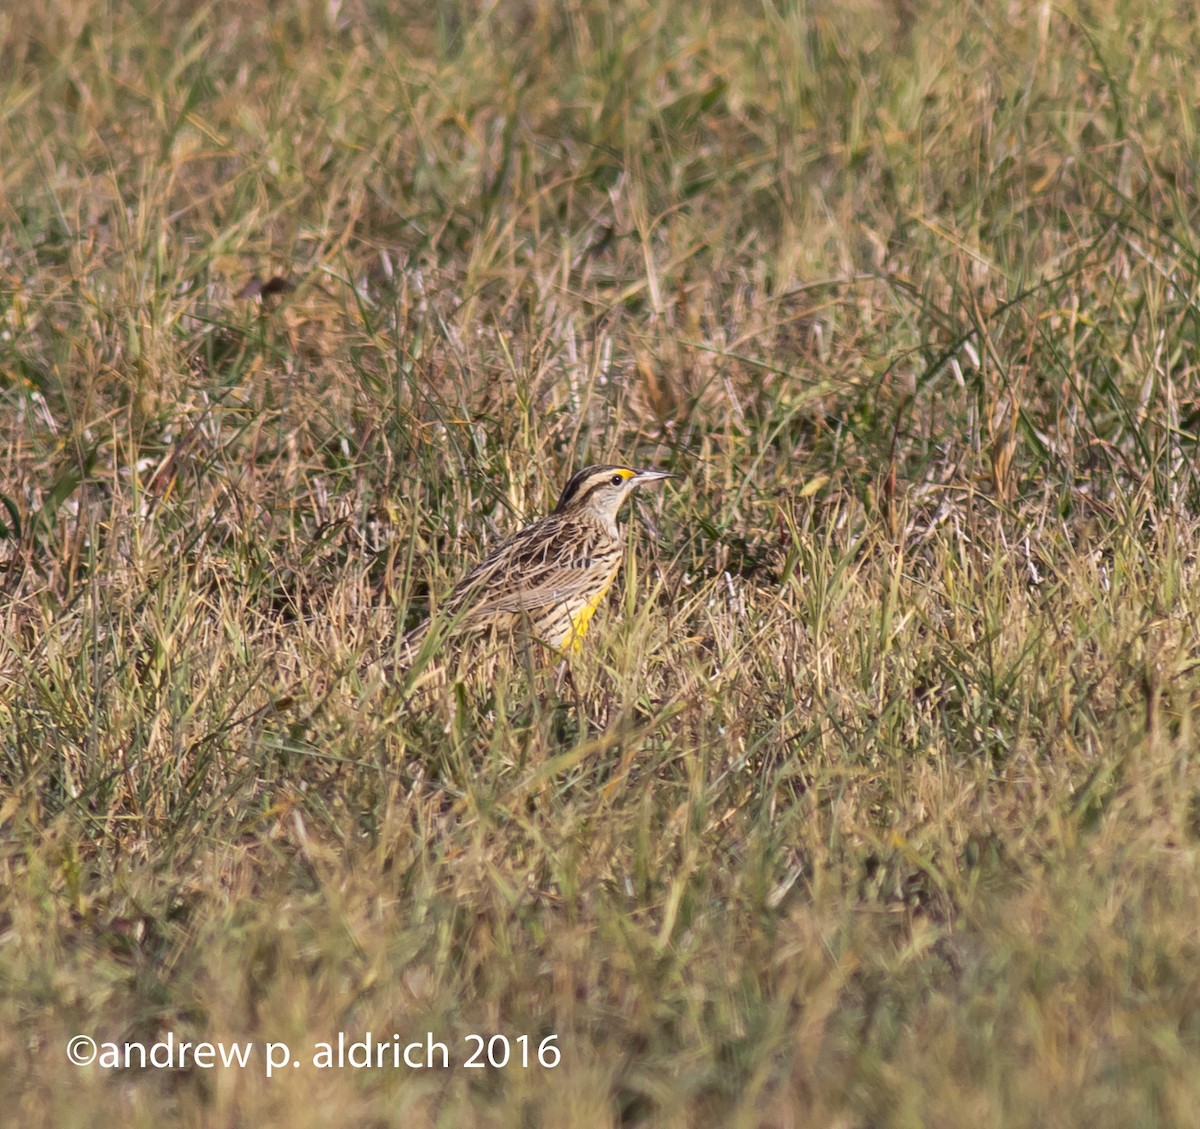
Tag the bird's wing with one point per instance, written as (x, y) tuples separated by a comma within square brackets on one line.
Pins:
[(538, 568)]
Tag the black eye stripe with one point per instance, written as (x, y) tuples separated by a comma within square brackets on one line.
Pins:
[(584, 481)]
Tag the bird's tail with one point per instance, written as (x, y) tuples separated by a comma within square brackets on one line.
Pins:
[(415, 665)]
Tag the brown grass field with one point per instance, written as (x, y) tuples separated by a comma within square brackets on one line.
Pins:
[(873, 799)]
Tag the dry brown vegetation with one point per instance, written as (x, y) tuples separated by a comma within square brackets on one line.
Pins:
[(874, 798)]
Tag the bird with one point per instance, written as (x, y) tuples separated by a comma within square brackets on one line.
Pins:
[(546, 581)]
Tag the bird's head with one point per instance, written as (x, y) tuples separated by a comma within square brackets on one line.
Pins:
[(600, 490)]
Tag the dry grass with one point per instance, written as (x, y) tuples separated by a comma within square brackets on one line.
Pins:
[(874, 799)]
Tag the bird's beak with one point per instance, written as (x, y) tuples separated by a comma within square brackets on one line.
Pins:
[(643, 476)]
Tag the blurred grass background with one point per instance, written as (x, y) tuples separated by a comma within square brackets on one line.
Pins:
[(874, 798)]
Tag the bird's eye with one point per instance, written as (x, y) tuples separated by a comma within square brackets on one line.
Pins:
[(617, 480)]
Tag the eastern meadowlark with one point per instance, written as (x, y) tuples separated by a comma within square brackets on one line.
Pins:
[(547, 581)]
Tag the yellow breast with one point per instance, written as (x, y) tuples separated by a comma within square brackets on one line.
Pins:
[(582, 616)]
